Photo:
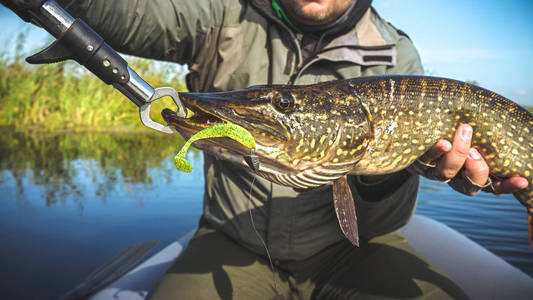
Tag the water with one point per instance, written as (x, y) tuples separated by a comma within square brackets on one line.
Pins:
[(69, 202)]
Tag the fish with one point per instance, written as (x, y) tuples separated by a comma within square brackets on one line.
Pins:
[(308, 136)]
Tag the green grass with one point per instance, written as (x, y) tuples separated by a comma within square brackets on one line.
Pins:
[(64, 96)]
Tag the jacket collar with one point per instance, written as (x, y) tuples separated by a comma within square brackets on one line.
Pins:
[(368, 43)]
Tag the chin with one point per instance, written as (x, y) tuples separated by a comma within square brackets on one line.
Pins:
[(314, 13)]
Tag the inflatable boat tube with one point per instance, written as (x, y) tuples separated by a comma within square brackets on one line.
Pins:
[(480, 273)]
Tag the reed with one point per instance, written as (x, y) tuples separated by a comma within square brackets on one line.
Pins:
[(64, 96)]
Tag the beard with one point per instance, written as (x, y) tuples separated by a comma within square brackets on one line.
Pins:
[(315, 12)]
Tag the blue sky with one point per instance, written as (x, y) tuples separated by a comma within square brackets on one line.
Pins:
[(487, 41)]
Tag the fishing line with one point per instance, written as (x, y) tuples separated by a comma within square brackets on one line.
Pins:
[(257, 232)]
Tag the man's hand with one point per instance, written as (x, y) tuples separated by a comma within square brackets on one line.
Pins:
[(453, 158), (23, 7)]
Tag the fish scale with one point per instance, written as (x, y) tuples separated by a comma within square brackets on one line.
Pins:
[(432, 109), (308, 136)]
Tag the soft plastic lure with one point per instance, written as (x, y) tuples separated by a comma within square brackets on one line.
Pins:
[(230, 130)]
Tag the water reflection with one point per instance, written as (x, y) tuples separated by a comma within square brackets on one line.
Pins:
[(69, 202), (68, 165)]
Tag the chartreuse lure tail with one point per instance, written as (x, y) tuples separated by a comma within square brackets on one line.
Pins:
[(230, 130)]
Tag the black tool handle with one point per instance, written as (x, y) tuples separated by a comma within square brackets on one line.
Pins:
[(77, 40), (89, 49)]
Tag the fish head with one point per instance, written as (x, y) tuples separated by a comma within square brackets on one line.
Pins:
[(306, 136)]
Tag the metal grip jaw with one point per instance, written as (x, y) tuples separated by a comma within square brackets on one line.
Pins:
[(76, 40), (159, 93)]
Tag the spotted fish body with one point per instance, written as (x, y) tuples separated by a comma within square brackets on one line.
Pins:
[(410, 114), (308, 136)]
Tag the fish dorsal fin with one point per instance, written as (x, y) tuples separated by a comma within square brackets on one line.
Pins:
[(345, 209)]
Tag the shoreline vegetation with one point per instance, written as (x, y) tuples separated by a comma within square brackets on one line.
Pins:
[(64, 97), (64, 163)]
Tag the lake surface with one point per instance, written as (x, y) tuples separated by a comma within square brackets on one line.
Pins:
[(69, 202)]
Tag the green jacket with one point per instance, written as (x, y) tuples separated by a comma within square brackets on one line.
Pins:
[(233, 44)]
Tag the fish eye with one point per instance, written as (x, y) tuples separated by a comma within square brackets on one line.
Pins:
[(283, 101)]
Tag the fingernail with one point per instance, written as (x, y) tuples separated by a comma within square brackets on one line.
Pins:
[(466, 132), (474, 154)]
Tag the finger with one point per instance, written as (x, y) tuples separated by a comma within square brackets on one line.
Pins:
[(435, 152), (509, 185), (476, 168), (454, 160)]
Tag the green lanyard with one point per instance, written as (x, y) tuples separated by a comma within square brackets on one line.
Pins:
[(281, 15)]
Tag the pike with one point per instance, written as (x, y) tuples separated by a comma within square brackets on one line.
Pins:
[(311, 135)]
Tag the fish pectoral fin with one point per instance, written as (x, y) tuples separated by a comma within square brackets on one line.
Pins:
[(345, 209)]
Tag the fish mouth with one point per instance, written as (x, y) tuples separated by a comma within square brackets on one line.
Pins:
[(223, 148), (241, 108), (197, 120)]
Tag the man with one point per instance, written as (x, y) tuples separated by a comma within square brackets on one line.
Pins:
[(233, 44)]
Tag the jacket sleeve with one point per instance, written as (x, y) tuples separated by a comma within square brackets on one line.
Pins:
[(407, 58), (170, 30)]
